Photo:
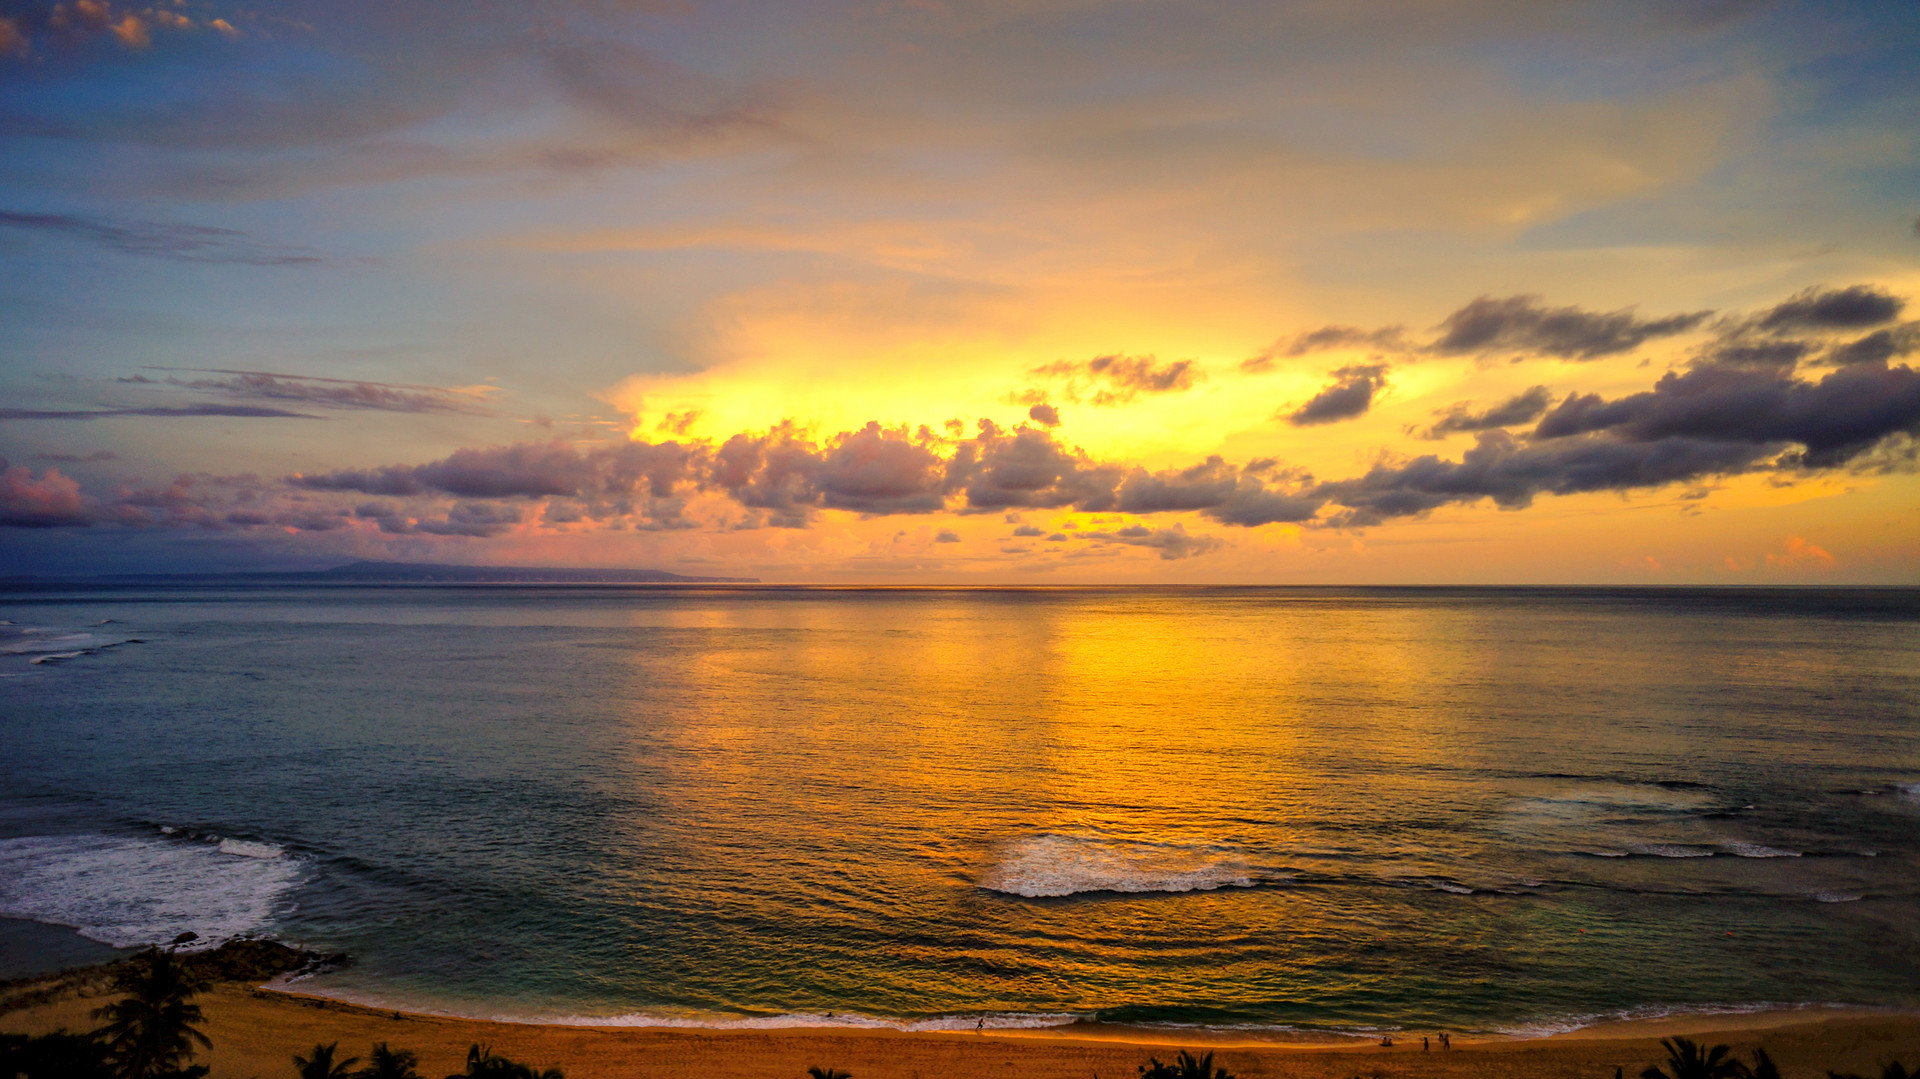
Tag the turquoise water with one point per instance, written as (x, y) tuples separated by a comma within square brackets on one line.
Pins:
[(1478, 809)]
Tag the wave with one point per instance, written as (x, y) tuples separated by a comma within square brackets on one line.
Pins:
[(1548, 1026), (130, 891), (1671, 850), (1060, 865), (1758, 850)]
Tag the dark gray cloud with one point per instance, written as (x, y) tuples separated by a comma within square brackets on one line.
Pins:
[(1218, 490), (946, 535), (1820, 308), (1878, 346), (159, 239), (1523, 324), (1115, 379), (1350, 395), (234, 411), (1172, 543), (1745, 351), (340, 393), (1029, 530), (1521, 408), (1512, 473), (1044, 414), (1327, 337), (1834, 419)]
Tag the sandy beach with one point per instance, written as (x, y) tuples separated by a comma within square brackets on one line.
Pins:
[(256, 1031)]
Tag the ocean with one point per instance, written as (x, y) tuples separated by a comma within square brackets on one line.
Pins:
[(1278, 810)]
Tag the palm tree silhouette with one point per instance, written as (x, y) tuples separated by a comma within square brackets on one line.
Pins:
[(150, 1032), (482, 1063), (385, 1063), (1184, 1066), (1688, 1060), (1763, 1066), (321, 1064), (818, 1072)]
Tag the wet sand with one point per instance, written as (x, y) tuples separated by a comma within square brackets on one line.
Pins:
[(255, 1033)]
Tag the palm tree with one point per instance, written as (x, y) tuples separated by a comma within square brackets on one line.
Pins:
[(483, 1064), (1185, 1066), (321, 1064), (818, 1072), (150, 1032), (385, 1063), (1763, 1066), (1688, 1060)]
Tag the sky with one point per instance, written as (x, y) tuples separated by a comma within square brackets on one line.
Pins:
[(912, 291)]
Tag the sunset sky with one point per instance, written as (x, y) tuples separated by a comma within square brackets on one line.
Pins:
[(1052, 292)]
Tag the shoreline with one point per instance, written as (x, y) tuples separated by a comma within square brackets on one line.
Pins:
[(1665, 1019), (256, 1030)]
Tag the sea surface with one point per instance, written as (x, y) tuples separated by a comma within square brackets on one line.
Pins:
[(1262, 809)]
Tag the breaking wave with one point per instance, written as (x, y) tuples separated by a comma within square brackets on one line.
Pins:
[(130, 891), (1057, 865)]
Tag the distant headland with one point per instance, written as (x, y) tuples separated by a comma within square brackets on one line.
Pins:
[(413, 573)]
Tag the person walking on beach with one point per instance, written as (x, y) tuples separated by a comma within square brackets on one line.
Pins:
[(1423, 1043)]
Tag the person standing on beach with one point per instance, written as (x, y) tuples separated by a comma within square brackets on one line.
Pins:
[(1423, 1043)]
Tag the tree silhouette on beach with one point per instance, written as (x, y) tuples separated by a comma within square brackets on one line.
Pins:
[(151, 1031), (483, 1063), (321, 1064), (818, 1072), (1687, 1059), (1184, 1066), (385, 1063)]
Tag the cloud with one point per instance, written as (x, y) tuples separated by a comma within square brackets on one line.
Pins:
[(1878, 346), (1799, 553), (1116, 379), (1522, 324), (1521, 408), (1324, 338), (1172, 543), (1028, 469), (1820, 308), (1029, 530), (330, 392), (1512, 473), (1350, 395), (52, 501), (1835, 419), (1218, 490), (186, 243), (946, 535), (179, 411), (1044, 414)]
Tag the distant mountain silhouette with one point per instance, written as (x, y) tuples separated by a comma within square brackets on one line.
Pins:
[(418, 573)]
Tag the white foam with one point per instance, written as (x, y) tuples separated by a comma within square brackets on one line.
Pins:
[(1756, 850), (56, 657), (247, 849), (128, 891), (1562, 1024), (1835, 897), (1909, 791), (1672, 850), (1056, 865), (1004, 1021)]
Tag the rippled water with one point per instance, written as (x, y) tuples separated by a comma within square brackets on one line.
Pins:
[(1311, 808)]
